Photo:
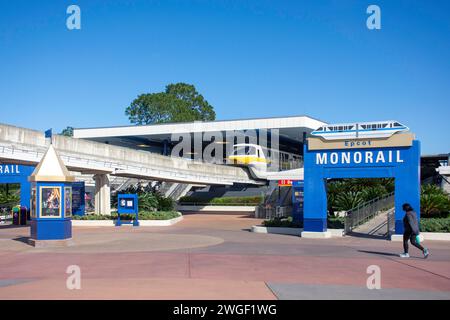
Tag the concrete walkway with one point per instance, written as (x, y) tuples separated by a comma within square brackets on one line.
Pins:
[(216, 257)]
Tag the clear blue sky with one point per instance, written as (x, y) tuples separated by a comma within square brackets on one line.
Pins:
[(248, 58)]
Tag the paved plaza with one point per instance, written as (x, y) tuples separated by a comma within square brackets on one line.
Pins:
[(214, 256)]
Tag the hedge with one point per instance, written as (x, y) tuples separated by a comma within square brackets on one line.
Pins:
[(250, 200), (426, 224), (435, 224), (143, 215), (332, 223)]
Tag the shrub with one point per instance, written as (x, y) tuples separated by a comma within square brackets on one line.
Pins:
[(335, 222), (435, 224), (165, 204), (434, 201), (373, 192), (92, 217), (344, 194), (349, 200), (282, 222), (143, 215), (158, 215), (148, 202), (250, 200), (9, 198), (332, 223)]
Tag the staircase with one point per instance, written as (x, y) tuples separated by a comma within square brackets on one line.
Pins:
[(277, 203), (175, 190), (370, 218), (377, 227)]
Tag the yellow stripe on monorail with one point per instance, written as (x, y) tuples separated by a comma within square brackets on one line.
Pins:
[(247, 159)]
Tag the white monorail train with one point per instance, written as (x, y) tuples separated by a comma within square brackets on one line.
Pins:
[(258, 157), (360, 130)]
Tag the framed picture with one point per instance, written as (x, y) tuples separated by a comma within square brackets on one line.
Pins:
[(68, 201), (33, 202), (50, 202)]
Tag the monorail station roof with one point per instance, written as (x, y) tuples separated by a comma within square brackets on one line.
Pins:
[(144, 136)]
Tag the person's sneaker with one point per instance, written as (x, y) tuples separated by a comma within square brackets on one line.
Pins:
[(425, 253), (404, 255)]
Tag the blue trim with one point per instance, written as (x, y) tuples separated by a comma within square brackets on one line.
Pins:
[(315, 225)]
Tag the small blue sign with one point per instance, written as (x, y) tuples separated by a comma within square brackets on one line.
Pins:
[(48, 133), (127, 204)]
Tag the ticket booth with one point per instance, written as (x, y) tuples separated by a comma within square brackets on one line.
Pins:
[(51, 201), (297, 200)]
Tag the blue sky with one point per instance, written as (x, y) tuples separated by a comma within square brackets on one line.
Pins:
[(248, 58)]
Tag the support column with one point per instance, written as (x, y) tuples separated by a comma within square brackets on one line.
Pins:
[(102, 194), (444, 171)]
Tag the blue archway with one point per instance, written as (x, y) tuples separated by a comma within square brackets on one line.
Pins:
[(401, 163), (14, 173)]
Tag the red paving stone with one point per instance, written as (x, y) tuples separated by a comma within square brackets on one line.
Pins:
[(237, 267)]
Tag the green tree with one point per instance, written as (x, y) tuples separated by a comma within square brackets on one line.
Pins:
[(68, 132), (180, 102), (196, 103)]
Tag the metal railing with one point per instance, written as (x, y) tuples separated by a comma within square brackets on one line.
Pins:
[(267, 212), (202, 204), (5, 212), (367, 211), (391, 223)]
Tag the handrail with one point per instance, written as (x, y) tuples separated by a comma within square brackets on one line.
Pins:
[(366, 211), (391, 222), (217, 204)]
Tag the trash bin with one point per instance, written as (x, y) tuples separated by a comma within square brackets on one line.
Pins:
[(19, 215), (23, 215), (16, 215)]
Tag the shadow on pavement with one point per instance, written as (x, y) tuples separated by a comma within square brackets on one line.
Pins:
[(367, 236), (379, 253), (22, 239)]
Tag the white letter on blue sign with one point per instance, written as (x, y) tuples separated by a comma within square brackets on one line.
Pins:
[(357, 157), (346, 157), (334, 158), (369, 157), (398, 157), (321, 159), (380, 157)]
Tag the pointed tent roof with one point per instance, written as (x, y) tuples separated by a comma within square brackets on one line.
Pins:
[(51, 168)]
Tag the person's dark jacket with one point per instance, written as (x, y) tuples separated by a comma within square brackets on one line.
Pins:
[(410, 223)]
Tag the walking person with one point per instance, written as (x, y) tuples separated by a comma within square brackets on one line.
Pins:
[(411, 231)]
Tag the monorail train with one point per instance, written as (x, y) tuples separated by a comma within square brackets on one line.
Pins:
[(258, 157), (379, 129)]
